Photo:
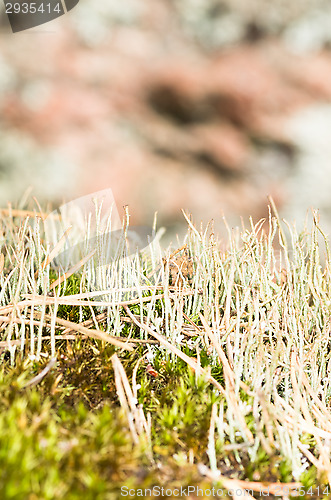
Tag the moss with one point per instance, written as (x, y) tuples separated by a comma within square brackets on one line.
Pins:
[(69, 433)]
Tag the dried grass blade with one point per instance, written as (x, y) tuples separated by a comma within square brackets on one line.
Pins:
[(229, 377), (122, 397), (89, 332), (67, 300), (279, 489), (8, 343), (136, 417), (72, 270), (42, 374), (323, 449), (58, 247), (193, 364), (13, 212)]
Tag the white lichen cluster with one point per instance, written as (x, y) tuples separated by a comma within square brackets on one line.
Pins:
[(263, 317)]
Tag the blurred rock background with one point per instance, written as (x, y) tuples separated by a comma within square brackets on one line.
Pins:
[(205, 105)]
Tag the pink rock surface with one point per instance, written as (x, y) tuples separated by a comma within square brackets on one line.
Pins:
[(163, 124)]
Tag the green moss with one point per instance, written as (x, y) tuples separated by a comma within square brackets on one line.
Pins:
[(69, 434)]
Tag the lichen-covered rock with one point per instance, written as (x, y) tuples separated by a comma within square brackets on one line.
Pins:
[(184, 104), (303, 24)]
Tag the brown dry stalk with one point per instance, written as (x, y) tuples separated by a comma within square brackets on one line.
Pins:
[(9, 343), (292, 418), (66, 332), (37, 300), (229, 375), (279, 489), (38, 378), (282, 489), (324, 453), (193, 364), (89, 322), (13, 212), (136, 418), (98, 293), (89, 332), (323, 409), (10, 319), (72, 270), (55, 250), (134, 375), (102, 317), (229, 379)]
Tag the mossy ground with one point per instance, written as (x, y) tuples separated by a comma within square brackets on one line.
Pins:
[(69, 435)]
